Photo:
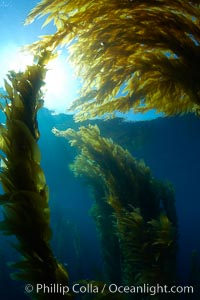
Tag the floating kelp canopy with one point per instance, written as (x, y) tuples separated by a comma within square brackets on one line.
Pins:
[(25, 198), (138, 55)]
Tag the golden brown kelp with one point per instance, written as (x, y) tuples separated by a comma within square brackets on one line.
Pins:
[(25, 198), (149, 248), (147, 50), (101, 210), (141, 208)]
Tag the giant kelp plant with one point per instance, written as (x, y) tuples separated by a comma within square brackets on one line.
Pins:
[(131, 54), (25, 198), (134, 213)]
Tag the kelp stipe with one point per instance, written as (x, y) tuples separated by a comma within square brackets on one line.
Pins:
[(144, 57), (139, 210), (25, 198)]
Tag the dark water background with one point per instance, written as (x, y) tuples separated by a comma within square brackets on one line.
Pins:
[(169, 146)]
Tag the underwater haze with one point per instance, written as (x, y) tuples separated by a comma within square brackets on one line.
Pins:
[(124, 196)]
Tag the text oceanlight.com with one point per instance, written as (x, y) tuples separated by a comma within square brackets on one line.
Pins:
[(91, 288)]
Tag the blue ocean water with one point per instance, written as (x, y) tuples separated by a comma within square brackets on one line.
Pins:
[(171, 151), (169, 146)]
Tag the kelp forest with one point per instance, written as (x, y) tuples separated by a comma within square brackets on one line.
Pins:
[(132, 56)]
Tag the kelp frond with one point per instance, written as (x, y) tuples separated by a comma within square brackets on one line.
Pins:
[(149, 248), (138, 55), (124, 177), (25, 198), (134, 213)]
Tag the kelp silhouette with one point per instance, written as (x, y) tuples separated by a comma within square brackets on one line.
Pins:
[(25, 198), (139, 55)]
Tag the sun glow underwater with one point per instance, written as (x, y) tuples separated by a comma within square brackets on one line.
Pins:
[(61, 84)]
